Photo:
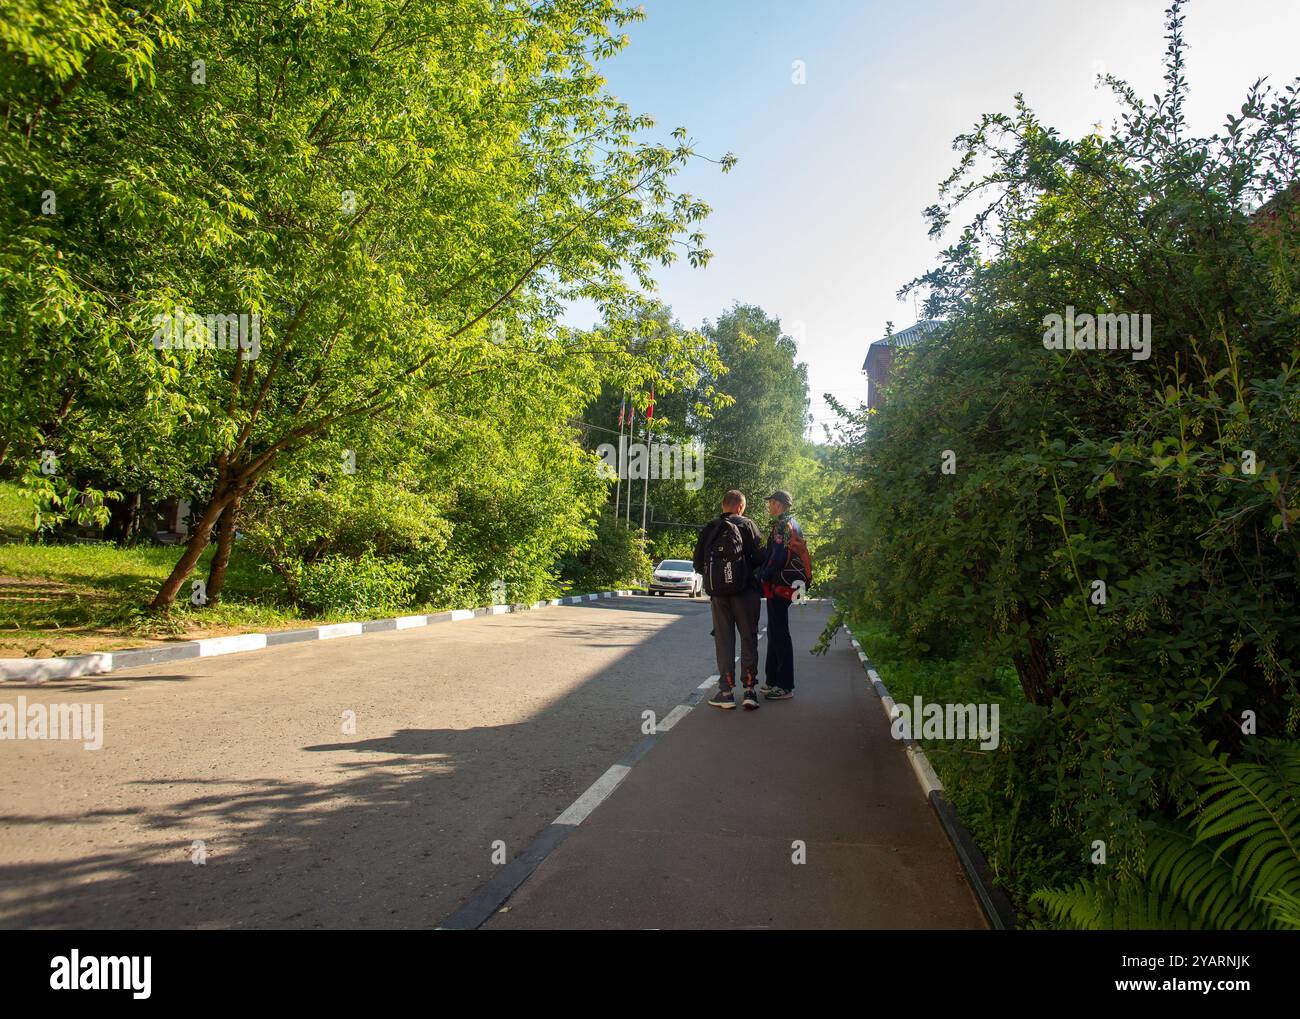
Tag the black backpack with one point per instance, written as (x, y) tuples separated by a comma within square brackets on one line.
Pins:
[(726, 570)]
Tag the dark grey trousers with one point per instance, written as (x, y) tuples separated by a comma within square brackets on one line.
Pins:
[(732, 612)]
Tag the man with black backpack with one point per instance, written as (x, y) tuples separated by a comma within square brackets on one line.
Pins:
[(727, 554)]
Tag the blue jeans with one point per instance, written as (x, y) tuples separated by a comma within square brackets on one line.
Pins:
[(780, 648)]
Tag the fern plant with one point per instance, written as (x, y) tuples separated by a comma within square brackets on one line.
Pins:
[(1231, 863)]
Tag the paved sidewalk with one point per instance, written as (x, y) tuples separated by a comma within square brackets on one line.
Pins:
[(701, 832)]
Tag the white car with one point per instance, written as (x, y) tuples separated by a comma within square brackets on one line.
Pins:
[(677, 576)]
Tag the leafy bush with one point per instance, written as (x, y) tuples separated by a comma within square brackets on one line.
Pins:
[(337, 584), (617, 557), (1123, 530), (1236, 866)]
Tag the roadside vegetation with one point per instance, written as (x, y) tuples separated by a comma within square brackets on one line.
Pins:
[(326, 318), (1105, 542)]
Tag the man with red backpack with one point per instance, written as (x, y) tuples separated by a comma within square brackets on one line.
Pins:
[(785, 576), (727, 554)]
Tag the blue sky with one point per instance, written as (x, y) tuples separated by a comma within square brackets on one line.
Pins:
[(820, 223)]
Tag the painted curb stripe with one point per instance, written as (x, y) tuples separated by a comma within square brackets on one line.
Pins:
[(139, 657), (100, 663), (56, 668), (639, 749), (488, 899), (231, 645), (924, 773), (290, 637), (334, 630)]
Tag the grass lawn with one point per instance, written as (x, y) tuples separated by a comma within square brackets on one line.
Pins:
[(70, 599), (76, 598)]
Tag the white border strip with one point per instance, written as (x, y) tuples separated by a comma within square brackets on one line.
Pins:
[(925, 774), (231, 645), (100, 663), (333, 630), (69, 667)]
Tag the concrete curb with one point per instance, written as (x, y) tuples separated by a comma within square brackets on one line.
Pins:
[(997, 907), (98, 664)]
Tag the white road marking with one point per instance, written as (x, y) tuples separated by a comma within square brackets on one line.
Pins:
[(594, 796), (673, 717), (708, 682)]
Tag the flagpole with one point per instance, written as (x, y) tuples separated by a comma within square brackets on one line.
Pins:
[(631, 431), (618, 487), (649, 448)]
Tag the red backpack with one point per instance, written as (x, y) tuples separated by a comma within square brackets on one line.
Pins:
[(798, 563)]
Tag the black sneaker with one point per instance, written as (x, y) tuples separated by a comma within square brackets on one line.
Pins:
[(778, 693), (751, 698), (725, 697)]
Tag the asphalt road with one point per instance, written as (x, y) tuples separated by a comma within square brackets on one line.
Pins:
[(470, 739), (466, 733)]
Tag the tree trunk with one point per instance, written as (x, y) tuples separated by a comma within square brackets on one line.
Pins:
[(221, 495), (225, 540), (1035, 677), (124, 520)]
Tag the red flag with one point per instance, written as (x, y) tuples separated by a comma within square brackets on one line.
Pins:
[(650, 411)]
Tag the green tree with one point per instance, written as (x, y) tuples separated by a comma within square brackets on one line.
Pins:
[(403, 195), (1122, 528)]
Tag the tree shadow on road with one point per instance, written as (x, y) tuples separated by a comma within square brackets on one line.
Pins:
[(399, 831)]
